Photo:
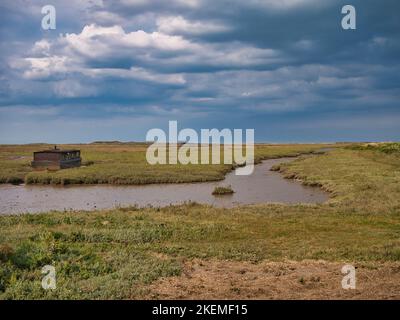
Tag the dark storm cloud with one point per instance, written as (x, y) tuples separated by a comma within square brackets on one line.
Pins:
[(276, 66)]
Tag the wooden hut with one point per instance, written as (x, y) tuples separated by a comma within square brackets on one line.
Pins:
[(55, 159)]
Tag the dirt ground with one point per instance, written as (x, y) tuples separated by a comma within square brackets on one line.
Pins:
[(277, 280)]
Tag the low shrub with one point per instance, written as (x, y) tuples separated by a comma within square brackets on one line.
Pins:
[(223, 190)]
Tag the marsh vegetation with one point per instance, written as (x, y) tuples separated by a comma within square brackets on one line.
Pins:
[(122, 163), (221, 190), (122, 253)]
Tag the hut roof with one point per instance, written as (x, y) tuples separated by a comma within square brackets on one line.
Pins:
[(57, 151)]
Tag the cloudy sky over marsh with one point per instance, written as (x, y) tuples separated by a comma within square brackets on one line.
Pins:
[(114, 69)]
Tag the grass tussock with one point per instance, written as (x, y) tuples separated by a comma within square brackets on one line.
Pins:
[(222, 190)]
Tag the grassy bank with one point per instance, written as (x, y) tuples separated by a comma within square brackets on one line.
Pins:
[(117, 254), (121, 253), (121, 163), (367, 180)]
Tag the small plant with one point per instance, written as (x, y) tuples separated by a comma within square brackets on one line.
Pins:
[(223, 190), (5, 252)]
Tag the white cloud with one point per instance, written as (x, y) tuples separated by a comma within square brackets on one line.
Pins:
[(188, 3), (136, 73), (76, 52), (304, 44), (379, 41), (141, 3), (284, 4), (106, 17), (96, 41), (134, 2), (179, 25), (349, 82), (41, 68), (41, 47), (45, 67)]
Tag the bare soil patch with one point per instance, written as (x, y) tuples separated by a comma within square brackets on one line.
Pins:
[(215, 279)]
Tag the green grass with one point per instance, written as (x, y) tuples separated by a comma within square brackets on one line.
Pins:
[(122, 163), (118, 253), (118, 259), (386, 147), (359, 179)]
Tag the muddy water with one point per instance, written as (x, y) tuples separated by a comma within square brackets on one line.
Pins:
[(260, 187)]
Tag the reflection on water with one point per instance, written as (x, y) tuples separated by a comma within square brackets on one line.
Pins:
[(260, 187)]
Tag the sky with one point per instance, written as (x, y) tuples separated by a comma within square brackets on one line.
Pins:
[(112, 70)]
